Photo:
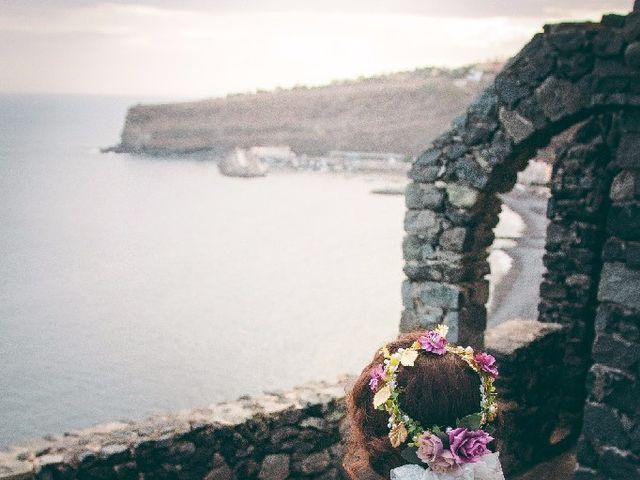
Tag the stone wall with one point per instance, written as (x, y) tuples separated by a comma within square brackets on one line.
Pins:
[(577, 209), (294, 434), (609, 446), (529, 427), (563, 76)]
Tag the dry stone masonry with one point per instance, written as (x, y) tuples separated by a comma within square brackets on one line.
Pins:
[(294, 434), (297, 434), (571, 74)]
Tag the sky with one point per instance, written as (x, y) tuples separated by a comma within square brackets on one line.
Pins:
[(195, 48)]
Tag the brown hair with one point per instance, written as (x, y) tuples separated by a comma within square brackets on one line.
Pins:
[(437, 390)]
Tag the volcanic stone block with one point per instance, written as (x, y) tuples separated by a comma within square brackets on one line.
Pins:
[(614, 387), (601, 421), (461, 196), (419, 196), (607, 43), (628, 155), (431, 294), (632, 55), (559, 98), (454, 239), (619, 284), (624, 221), (518, 127), (623, 186), (421, 222), (615, 351), (274, 467)]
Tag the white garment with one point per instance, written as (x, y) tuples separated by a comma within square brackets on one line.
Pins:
[(487, 468)]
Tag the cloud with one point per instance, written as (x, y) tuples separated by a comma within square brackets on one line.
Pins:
[(431, 8), (156, 49)]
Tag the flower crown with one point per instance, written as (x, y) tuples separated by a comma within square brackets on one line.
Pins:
[(442, 448)]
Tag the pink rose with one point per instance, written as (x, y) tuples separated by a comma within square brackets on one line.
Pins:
[(445, 463), (377, 376), (429, 447), (487, 363), (468, 446), (433, 342)]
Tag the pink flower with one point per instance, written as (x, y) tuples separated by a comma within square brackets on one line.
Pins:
[(433, 342), (377, 375), (487, 363), (468, 446), (429, 447), (445, 462)]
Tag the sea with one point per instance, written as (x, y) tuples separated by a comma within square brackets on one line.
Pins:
[(133, 285)]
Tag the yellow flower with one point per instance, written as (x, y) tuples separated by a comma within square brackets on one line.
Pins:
[(408, 358), (398, 434), (442, 330), (382, 396)]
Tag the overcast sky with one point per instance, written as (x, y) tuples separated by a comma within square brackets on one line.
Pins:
[(197, 48)]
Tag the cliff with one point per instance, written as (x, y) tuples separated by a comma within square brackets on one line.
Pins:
[(400, 112)]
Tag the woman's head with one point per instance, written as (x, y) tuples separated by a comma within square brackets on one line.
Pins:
[(437, 390)]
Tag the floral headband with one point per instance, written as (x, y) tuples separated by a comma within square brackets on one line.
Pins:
[(442, 448)]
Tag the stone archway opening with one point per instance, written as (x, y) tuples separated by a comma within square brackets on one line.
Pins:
[(582, 76)]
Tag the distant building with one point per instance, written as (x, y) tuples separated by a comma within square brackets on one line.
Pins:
[(276, 155), (368, 161)]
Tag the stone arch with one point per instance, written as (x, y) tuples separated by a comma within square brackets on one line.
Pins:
[(566, 74)]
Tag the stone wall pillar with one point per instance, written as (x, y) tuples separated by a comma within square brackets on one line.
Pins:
[(577, 211), (446, 256), (609, 446)]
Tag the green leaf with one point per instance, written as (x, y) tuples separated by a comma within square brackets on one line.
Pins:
[(471, 422)]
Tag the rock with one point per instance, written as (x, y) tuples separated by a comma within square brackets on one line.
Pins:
[(421, 222), (559, 98), (569, 41), (421, 196), (631, 29), (628, 154), (453, 239), (412, 248), (429, 158), (461, 196), (510, 90), (514, 335), (274, 467), (439, 295), (457, 150), (608, 43), (612, 386), (632, 55), (623, 186), (424, 174), (632, 255), (315, 463), (615, 351), (617, 463), (516, 126), (624, 221), (316, 423), (468, 170), (619, 284), (241, 163)]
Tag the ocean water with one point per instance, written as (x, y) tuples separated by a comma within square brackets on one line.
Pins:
[(133, 285)]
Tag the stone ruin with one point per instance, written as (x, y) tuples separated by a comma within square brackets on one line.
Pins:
[(587, 74), (570, 377)]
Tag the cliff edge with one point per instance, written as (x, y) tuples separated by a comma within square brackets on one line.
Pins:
[(400, 112)]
